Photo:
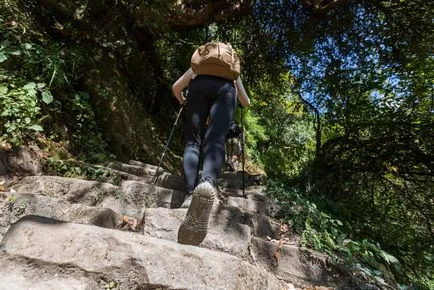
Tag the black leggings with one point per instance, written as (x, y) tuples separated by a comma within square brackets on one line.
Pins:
[(214, 97)]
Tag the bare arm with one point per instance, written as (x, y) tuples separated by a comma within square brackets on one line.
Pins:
[(181, 84), (241, 92)]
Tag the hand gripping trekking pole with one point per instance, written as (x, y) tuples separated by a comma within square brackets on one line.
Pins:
[(155, 178)]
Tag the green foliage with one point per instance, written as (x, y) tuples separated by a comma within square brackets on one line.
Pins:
[(21, 94), (19, 110), (370, 82), (360, 141), (22, 90), (36, 94), (320, 231), (111, 285), (74, 169), (11, 198), (294, 150), (285, 142), (254, 133), (86, 133)]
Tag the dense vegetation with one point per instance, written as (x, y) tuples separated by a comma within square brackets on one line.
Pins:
[(342, 116)]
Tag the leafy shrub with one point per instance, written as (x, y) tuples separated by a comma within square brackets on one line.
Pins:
[(37, 94), (71, 168), (364, 259), (19, 110)]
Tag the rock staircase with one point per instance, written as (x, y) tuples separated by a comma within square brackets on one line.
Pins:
[(67, 233)]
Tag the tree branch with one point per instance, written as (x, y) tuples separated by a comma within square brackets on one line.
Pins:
[(201, 12), (324, 5)]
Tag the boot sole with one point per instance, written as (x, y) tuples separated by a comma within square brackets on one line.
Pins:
[(195, 225)]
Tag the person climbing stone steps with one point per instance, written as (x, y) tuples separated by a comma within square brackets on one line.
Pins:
[(213, 83)]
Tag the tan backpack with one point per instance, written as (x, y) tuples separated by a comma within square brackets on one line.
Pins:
[(216, 59)]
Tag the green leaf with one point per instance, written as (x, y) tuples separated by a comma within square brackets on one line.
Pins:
[(380, 280), (389, 258), (47, 97), (30, 86), (4, 44), (36, 128), (3, 90), (3, 57), (31, 92), (41, 85)]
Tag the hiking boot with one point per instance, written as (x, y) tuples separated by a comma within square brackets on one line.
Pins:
[(187, 201), (195, 225)]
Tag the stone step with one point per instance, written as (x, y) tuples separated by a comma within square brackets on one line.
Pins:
[(257, 191), (73, 190), (130, 198), (20, 273), (143, 170), (135, 192), (126, 176), (253, 205), (129, 260), (152, 169), (230, 229), (249, 180), (145, 165), (16, 205), (242, 211), (303, 267), (225, 234), (136, 196)]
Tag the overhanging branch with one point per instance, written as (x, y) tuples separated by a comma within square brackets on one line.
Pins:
[(323, 5), (201, 12)]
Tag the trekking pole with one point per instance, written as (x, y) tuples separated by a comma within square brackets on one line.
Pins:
[(155, 178), (242, 149)]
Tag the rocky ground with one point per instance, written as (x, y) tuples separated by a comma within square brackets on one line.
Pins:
[(67, 233)]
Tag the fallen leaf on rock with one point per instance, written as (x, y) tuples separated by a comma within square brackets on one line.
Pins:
[(129, 224), (277, 254)]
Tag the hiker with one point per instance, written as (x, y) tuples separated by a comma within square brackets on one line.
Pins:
[(233, 146), (212, 93)]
